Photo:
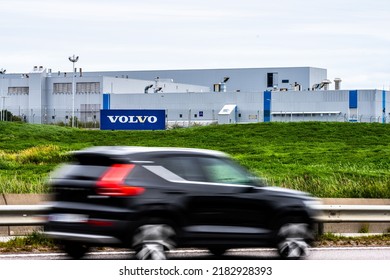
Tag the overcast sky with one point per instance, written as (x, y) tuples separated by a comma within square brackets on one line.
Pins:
[(349, 38)]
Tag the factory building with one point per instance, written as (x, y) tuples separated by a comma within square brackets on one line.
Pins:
[(199, 96)]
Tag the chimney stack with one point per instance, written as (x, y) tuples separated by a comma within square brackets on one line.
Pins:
[(337, 83)]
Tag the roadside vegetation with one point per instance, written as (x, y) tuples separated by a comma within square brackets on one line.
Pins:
[(326, 159), (333, 240), (34, 242)]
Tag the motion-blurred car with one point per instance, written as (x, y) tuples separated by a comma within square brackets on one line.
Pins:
[(156, 199)]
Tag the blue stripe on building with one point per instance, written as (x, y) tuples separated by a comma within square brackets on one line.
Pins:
[(106, 101), (383, 106), (353, 99), (267, 106)]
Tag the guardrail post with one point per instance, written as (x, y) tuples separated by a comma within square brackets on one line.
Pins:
[(320, 228)]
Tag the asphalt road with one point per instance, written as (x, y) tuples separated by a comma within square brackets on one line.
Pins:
[(328, 253)]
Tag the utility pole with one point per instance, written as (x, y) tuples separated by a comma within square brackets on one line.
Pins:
[(73, 59)]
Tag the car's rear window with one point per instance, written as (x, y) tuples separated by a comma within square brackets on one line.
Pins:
[(78, 172), (84, 167)]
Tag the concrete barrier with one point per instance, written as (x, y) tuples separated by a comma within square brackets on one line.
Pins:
[(355, 201)]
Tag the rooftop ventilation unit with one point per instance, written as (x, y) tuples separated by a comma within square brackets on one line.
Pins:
[(326, 84), (323, 85), (337, 83)]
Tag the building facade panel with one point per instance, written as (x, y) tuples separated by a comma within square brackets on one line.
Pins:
[(259, 94)]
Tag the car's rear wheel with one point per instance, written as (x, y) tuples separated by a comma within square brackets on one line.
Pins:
[(75, 250), (293, 240), (152, 241), (217, 251)]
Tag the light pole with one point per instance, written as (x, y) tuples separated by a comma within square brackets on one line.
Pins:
[(73, 59), (2, 72)]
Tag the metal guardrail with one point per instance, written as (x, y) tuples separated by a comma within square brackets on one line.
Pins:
[(23, 215), (354, 213), (31, 215)]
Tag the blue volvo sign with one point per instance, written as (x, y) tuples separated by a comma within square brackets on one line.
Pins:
[(132, 119)]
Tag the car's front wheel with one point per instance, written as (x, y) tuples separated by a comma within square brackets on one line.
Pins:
[(152, 241), (293, 240)]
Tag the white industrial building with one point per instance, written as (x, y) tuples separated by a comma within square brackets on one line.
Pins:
[(190, 96)]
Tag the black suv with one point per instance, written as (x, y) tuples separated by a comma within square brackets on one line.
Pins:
[(156, 199)]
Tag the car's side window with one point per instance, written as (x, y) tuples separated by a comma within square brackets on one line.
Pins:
[(183, 166), (223, 171)]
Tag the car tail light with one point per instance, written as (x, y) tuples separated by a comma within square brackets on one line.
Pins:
[(112, 183), (99, 223)]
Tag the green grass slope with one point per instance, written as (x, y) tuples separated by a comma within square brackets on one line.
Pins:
[(325, 159)]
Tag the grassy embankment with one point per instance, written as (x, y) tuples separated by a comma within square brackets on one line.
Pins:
[(325, 159)]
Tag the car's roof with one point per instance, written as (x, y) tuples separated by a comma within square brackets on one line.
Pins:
[(132, 150)]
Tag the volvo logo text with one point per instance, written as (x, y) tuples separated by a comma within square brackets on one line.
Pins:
[(132, 119), (137, 119)]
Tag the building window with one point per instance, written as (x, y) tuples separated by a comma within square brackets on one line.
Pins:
[(88, 87), (89, 112), (272, 80), (62, 87), (18, 90)]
